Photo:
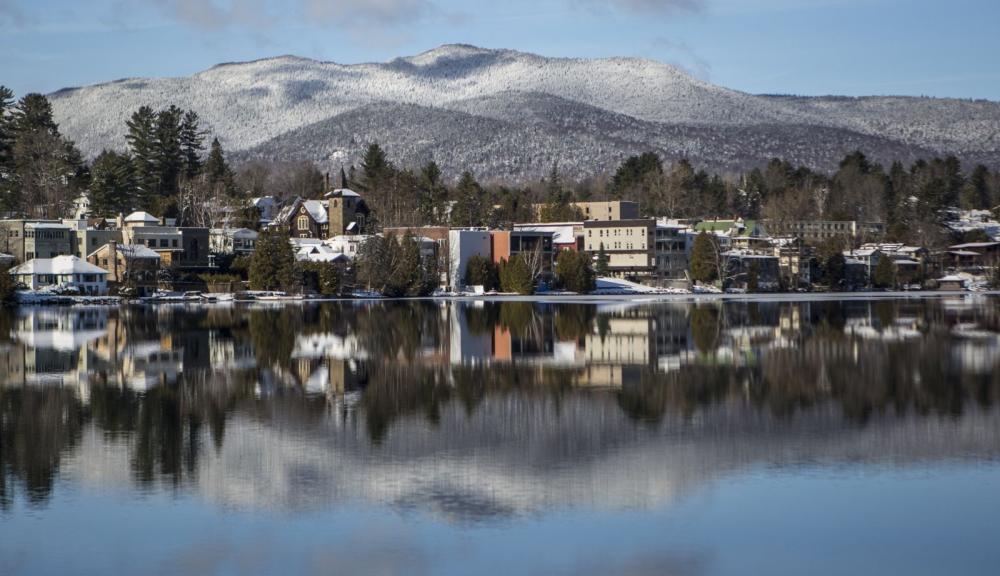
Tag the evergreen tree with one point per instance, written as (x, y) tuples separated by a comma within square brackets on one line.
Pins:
[(192, 141), (433, 194), (558, 206), (9, 190), (469, 208), (344, 182), (48, 169), (7, 286), (884, 275), (216, 170), (704, 259), (602, 267), (515, 276), (141, 140), (112, 184), (976, 192), (272, 263), (168, 153), (574, 271), (631, 178), (481, 271)]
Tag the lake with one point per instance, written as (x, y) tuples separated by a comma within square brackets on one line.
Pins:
[(812, 436)]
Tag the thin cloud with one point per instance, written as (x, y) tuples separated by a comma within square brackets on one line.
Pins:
[(11, 13), (649, 6), (265, 14)]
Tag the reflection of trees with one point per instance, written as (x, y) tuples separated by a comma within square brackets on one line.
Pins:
[(37, 426), (705, 328)]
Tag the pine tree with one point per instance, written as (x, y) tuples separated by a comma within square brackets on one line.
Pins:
[(168, 154), (602, 268), (112, 184), (574, 272), (141, 140), (481, 271), (558, 207), (192, 141), (272, 264), (515, 276), (884, 276), (9, 189), (469, 208), (704, 259), (216, 170), (48, 169)]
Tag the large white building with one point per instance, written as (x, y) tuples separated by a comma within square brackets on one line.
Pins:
[(62, 271), (463, 245)]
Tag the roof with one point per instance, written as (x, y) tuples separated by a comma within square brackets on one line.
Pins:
[(58, 265), (975, 245), (951, 278), (562, 234), (140, 216), (342, 193), (317, 209), (130, 251), (37, 225)]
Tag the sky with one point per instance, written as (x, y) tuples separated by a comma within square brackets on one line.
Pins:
[(944, 48)]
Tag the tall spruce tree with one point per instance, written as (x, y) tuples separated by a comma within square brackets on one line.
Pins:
[(192, 144), (112, 184), (469, 208), (48, 169), (704, 259), (168, 155), (272, 264), (141, 140), (9, 190)]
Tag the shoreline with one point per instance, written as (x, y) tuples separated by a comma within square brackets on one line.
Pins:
[(547, 299)]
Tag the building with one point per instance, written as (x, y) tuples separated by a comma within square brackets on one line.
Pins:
[(64, 272), (347, 212), (817, 231), (867, 257), (975, 254), (507, 244), (670, 250), (629, 246), (89, 235), (741, 267), (29, 239), (565, 235), (267, 208), (177, 247), (793, 261), (236, 241), (740, 234), (128, 264), (463, 245), (609, 210)]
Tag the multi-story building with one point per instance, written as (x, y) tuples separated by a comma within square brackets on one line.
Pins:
[(61, 271), (463, 245), (609, 210), (177, 247), (629, 246), (87, 236), (342, 211), (29, 239), (816, 231), (670, 250)]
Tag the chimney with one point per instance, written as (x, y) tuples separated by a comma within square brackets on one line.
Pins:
[(326, 181)]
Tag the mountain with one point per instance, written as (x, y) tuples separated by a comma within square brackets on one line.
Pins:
[(507, 114)]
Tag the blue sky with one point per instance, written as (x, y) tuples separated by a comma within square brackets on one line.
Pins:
[(852, 47)]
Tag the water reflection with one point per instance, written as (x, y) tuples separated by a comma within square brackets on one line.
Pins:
[(485, 410)]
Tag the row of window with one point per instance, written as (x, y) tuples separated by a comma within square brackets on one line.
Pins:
[(164, 242), (617, 232)]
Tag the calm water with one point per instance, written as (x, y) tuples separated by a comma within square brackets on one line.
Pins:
[(818, 437)]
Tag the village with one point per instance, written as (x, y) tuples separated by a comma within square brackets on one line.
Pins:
[(611, 249)]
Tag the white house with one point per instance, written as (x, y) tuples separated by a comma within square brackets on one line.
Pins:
[(239, 241), (62, 271), (463, 245)]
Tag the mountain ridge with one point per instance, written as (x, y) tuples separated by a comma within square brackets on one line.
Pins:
[(254, 106)]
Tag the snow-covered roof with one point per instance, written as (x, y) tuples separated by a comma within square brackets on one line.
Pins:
[(264, 201), (59, 265), (140, 216), (342, 193), (861, 252), (50, 225), (135, 251), (317, 209), (562, 234), (964, 253), (975, 245), (951, 278), (319, 253)]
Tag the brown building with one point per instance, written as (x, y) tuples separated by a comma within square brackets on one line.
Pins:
[(128, 264)]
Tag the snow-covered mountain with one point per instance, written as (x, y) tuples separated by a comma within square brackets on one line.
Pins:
[(508, 114)]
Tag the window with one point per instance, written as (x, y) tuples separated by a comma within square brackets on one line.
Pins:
[(164, 243), (303, 222), (174, 242)]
